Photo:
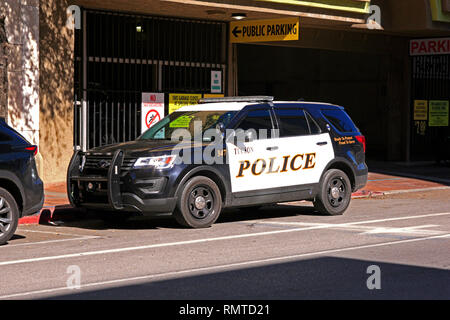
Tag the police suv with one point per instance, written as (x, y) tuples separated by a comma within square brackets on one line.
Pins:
[(223, 153)]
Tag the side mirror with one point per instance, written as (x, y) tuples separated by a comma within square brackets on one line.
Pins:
[(220, 127)]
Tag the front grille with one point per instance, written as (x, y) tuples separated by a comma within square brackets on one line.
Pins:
[(99, 165)]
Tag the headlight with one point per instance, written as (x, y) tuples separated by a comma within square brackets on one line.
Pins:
[(163, 162)]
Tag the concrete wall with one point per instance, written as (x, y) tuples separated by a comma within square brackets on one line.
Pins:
[(22, 33), (3, 70), (56, 90), (40, 80)]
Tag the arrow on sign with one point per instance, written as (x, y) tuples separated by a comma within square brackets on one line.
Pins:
[(236, 31)]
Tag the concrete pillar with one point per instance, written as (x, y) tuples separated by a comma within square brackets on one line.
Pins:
[(22, 33)]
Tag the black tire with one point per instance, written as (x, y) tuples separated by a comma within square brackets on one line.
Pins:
[(199, 203), (335, 193), (9, 216)]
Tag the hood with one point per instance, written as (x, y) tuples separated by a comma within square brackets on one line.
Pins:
[(137, 148)]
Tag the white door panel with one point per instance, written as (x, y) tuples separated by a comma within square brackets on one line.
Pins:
[(282, 162)]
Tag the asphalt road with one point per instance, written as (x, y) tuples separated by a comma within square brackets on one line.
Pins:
[(279, 252)]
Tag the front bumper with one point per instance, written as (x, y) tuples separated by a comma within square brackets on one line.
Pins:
[(118, 193)]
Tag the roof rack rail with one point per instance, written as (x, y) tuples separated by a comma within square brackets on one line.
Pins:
[(237, 99)]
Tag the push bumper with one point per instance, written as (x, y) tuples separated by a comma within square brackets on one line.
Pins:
[(113, 198)]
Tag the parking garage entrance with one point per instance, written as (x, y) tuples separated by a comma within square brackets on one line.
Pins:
[(120, 56)]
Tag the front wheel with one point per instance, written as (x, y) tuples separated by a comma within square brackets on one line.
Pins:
[(199, 203), (335, 193), (9, 216)]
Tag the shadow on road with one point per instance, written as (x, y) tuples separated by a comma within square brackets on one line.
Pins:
[(320, 278), (92, 221)]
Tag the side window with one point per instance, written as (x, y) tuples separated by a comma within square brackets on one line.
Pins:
[(292, 122), (340, 120), (313, 126), (257, 120)]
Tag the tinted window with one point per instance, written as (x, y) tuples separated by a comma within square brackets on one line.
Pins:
[(292, 122), (313, 126), (340, 120), (258, 120)]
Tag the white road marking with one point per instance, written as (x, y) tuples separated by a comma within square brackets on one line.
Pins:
[(51, 241), (187, 242), (413, 230), (225, 266), (77, 237), (52, 232), (417, 230)]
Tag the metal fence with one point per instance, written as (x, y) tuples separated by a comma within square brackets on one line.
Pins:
[(430, 81), (119, 56)]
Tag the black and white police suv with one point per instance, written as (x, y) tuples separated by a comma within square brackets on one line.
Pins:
[(222, 153)]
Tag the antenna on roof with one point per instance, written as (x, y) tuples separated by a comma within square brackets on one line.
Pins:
[(237, 99)]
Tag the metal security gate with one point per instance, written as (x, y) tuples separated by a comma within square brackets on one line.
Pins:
[(430, 81), (119, 56)]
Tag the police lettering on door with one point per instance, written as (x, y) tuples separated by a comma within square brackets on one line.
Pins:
[(276, 165)]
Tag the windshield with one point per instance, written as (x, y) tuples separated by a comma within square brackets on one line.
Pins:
[(164, 129)]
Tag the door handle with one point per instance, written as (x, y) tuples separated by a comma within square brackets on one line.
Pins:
[(272, 148), (322, 143)]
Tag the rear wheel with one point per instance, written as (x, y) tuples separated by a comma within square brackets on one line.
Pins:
[(335, 193), (199, 203), (9, 216)]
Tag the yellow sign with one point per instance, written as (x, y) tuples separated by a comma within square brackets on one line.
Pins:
[(264, 30), (178, 100), (213, 95), (420, 109), (181, 122), (359, 6), (439, 111)]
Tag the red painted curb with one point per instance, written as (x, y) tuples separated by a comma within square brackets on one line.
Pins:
[(46, 215)]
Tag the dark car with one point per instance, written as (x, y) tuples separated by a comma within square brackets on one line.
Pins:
[(21, 189), (234, 152)]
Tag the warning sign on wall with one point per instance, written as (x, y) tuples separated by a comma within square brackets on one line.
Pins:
[(152, 109), (420, 109), (178, 100), (439, 112)]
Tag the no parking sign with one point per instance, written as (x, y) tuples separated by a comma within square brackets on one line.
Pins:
[(152, 109)]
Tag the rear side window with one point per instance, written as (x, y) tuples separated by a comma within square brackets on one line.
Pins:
[(292, 122), (340, 120), (257, 120)]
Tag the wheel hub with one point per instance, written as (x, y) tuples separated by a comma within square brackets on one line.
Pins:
[(200, 203), (335, 192)]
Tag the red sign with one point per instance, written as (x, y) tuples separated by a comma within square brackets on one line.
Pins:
[(426, 47), (152, 117)]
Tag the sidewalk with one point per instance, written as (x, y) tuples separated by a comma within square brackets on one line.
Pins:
[(384, 178)]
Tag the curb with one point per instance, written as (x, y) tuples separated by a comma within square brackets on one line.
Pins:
[(374, 194), (48, 214), (414, 176)]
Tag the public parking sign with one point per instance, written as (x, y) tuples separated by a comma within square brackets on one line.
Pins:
[(265, 30)]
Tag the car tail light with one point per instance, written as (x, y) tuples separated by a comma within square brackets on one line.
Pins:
[(362, 140), (33, 149)]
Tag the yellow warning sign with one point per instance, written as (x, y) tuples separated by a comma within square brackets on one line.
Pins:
[(178, 100), (439, 113), (420, 109), (265, 30)]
